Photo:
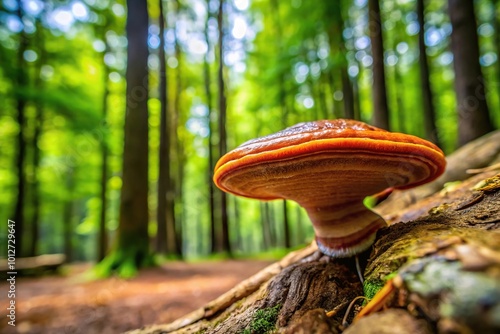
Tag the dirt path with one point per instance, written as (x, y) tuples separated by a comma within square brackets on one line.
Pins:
[(158, 295)]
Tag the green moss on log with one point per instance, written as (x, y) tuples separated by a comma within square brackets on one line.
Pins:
[(264, 321)]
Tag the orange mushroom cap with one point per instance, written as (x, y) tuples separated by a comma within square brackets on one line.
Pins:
[(328, 167)]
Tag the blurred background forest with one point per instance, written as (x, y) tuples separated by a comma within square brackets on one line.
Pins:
[(114, 113)]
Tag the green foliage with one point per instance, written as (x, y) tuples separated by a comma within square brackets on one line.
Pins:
[(263, 321), (124, 264)]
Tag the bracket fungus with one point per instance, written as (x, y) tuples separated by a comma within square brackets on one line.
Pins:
[(328, 167)]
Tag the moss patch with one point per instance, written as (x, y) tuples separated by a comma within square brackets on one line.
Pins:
[(370, 288), (264, 321)]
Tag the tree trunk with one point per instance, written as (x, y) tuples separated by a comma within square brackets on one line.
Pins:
[(331, 84), (348, 94), (35, 199), (425, 84), (103, 232), (211, 165), (21, 81), (225, 244), (286, 227), (35, 184), (398, 91), (356, 95), (68, 215), (266, 225), (272, 224), (237, 231), (338, 54), (398, 88), (473, 114), (132, 249), (300, 235), (283, 102), (380, 107), (322, 86), (175, 229), (164, 150)]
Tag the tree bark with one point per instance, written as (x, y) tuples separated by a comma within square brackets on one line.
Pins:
[(399, 100), (266, 225), (473, 114), (211, 165), (431, 132), (338, 54), (348, 94), (134, 204), (68, 215), (103, 232), (237, 238), (177, 147), (286, 227), (380, 106), (21, 81), (132, 248), (225, 244), (283, 104), (164, 214), (35, 183)]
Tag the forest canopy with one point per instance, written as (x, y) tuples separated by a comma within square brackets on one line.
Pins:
[(201, 77)]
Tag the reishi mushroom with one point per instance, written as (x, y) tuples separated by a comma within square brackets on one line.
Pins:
[(328, 167)]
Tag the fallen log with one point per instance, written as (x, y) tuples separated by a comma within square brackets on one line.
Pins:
[(34, 265), (309, 293)]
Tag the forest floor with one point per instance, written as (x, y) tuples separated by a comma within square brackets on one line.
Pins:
[(68, 304)]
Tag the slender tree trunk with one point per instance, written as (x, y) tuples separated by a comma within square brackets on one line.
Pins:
[(279, 51), (35, 184), (266, 227), (272, 225), (399, 87), (355, 85), (319, 87), (473, 114), (286, 227), (177, 146), (179, 219), (21, 81), (427, 96), (103, 233), (164, 150), (379, 92), (301, 238), (348, 92), (35, 199), (238, 239), (338, 50), (357, 99), (399, 99), (331, 82), (211, 165), (68, 215), (133, 250), (283, 104), (225, 244)]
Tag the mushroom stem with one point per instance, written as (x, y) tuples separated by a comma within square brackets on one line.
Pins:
[(344, 230)]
